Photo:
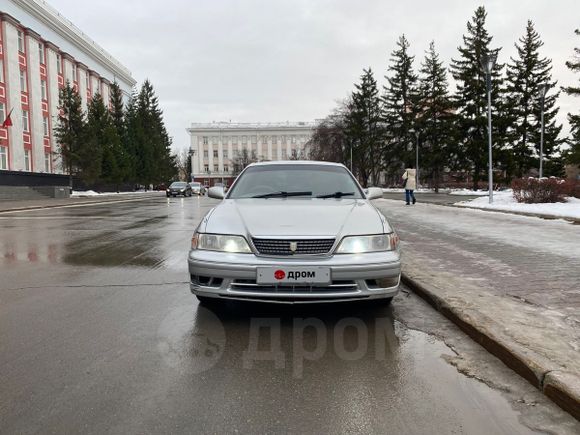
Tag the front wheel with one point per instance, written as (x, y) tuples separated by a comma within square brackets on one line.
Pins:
[(385, 302), (208, 301)]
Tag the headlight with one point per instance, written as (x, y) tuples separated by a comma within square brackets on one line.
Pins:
[(220, 242), (361, 244), (182, 190)]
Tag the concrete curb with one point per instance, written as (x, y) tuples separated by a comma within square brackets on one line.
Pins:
[(519, 213), (562, 387), (77, 204)]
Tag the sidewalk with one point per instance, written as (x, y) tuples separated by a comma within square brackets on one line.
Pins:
[(511, 282), (34, 204)]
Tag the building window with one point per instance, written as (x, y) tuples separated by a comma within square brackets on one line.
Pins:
[(224, 139), (41, 53), (205, 153), (88, 80), (206, 168), (244, 140), (264, 140), (226, 168), (293, 140), (284, 140), (225, 154), (205, 140), (215, 154), (25, 120), (23, 87), (234, 140), (274, 140), (215, 168), (284, 155), (20, 42), (74, 72), (3, 158), (45, 125), (43, 90), (27, 161), (214, 140), (1, 70), (46, 162), (2, 113), (59, 64), (254, 140)]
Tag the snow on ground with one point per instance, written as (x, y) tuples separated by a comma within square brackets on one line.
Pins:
[(401, 190), (505, 201), (468, 192), (87, 193)]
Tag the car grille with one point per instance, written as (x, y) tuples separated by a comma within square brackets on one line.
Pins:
[(250, 285), (283, 246)]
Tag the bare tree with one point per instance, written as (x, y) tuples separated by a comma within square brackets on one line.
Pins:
[(243, 159), (182, 161)]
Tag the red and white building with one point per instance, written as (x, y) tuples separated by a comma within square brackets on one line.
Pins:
[(214, 147), (40, 51)]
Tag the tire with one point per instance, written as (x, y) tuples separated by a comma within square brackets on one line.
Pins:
[(385, 302), (208, 301), (168, 195)]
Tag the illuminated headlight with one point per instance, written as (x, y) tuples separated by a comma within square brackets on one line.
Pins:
[(220, 242), (182, 190), (362, 244)]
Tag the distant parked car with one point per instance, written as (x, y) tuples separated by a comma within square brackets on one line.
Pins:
[(197, 188), (179, 188)]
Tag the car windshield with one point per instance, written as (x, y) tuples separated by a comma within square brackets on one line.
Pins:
[(270, 181), (194, 184), (178, 184)]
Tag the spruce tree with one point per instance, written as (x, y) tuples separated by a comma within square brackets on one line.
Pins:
[(399, 107), (155, 162), (525, 75), (573, 154), (471, 99), (70, 131), (99, 127), (435, 117), (364, 128)]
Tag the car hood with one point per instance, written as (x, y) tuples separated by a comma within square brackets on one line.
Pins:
[(293, 217)]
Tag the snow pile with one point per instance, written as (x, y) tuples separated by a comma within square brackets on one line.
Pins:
[(90, 193), (505, 201), (468, 192)]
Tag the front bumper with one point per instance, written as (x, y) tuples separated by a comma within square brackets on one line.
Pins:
[(354, 277)]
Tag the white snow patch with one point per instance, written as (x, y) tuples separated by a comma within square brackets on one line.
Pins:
[(505, 201), (89, 193), (468, 192)]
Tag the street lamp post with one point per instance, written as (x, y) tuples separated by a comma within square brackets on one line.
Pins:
[(417, 158), (543, 89), (487, 64)]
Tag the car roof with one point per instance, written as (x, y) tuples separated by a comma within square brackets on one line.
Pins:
[(297, 162)]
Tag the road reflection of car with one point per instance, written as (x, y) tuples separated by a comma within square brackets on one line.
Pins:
[(178, 188), (197, 188), (295, 232)]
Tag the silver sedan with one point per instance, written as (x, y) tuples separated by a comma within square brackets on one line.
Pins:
[(295, 232)]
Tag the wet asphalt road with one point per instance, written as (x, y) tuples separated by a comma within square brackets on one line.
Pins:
[(100, 334)]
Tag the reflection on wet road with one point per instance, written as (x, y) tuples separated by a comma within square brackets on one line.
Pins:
[(99, 334)]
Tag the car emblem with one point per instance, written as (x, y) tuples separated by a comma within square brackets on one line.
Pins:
[(293, 246)]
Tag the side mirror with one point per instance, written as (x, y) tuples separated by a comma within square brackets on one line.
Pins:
[(374, 192), (216, 192)]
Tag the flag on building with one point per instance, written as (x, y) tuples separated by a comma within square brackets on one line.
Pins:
[(8, 121)]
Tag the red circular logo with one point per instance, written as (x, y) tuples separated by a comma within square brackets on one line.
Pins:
[(279, 274)]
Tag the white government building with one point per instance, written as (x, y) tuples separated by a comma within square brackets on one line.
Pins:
[(40, 51), (215, 146)]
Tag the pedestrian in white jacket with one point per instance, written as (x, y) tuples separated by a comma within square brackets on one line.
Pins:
[(410, 177)]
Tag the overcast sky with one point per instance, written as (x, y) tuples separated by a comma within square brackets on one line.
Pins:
[(279, 60)]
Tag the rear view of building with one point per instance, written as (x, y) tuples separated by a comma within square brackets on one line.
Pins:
[(39, 52)]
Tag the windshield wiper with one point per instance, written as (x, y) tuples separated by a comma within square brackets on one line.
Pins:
[(336, 195), (281, 194)]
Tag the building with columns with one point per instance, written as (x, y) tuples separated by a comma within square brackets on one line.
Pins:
[(40, 51), (215, 147)]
